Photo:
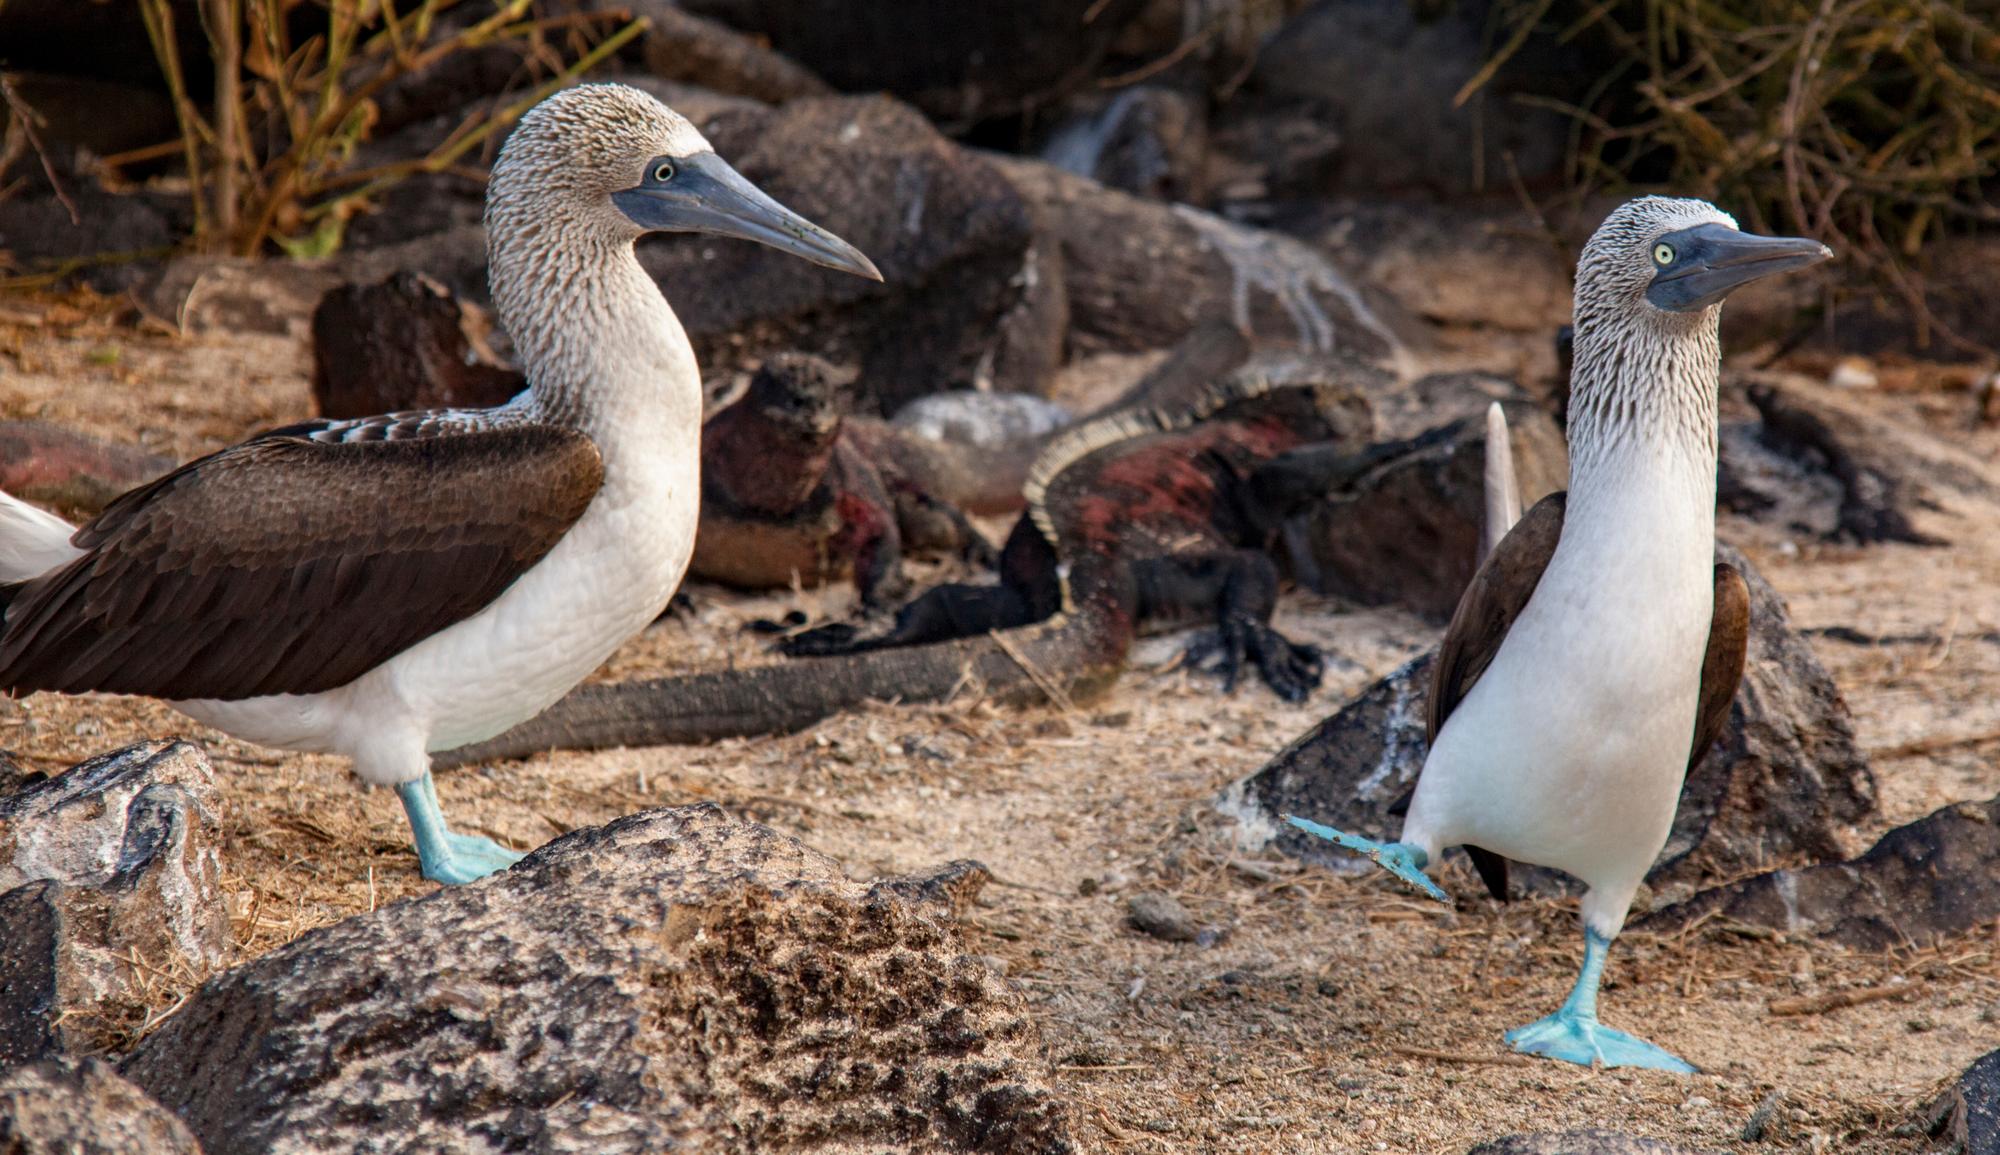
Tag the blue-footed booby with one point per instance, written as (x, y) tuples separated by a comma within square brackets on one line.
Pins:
[(390, 586), (1594, 656)]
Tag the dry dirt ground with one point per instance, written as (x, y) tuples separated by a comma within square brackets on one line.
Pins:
[(1327, 1013)]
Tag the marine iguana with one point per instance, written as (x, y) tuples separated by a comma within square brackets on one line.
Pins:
[(1169, 501), (1134, 516)]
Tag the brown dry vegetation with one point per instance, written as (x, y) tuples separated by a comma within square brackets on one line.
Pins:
[(1334, 1013)]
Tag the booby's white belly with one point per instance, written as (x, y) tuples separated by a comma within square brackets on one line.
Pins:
[(1570, 750), (609, 576)]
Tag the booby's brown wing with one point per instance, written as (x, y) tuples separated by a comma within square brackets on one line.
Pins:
[(1501, 589), (1486, 611), (299, 560), (1722, 664)]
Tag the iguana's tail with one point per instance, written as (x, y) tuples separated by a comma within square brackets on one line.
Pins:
[(1070, 656)]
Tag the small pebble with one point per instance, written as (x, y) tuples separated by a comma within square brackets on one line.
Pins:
[(1162, 916)]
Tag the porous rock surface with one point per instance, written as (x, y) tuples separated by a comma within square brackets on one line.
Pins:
[(1785, 782), (1966, 1114), (1410, 534), (51, 465), (114, 859), (672, 980), (83, 1107), (1138, 274), (1934, 877)]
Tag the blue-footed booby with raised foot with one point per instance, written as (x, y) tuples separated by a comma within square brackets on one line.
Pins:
[(390, 586), (1593, 658)]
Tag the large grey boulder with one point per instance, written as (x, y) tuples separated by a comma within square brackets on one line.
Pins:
[(108, 871), (83, 1107), (672, 980), (1786, 782)]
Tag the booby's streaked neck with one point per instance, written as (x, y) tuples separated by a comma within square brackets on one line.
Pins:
[(1642, 406), (602, 350)]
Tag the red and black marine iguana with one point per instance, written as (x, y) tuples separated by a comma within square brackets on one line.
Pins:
[(1139, 515)]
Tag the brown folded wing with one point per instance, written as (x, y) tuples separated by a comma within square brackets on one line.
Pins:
[(292, 565)]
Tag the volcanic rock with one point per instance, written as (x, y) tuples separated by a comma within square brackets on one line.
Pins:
[(73, 471), (72, 1107), (1410, 533), (960, 63), (405, 343), (1967, 1114), (671, 980), (109, 875), (1785, 782), (1140, 274), (1935, 877)]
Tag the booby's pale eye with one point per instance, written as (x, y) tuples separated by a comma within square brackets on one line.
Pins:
[(1663, 254), (663, 172)]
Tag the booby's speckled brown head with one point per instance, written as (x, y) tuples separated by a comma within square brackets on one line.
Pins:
[(614, 162), (1672, 255)]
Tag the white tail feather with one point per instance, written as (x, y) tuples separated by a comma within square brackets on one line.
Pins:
[(1503, 493), (32, 542)]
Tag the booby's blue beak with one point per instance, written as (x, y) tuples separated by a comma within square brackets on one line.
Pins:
[(702, 194), (1695, 268)]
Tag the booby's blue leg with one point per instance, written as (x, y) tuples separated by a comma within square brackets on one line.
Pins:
[(446, 857), (1574, 1035), (1398, 858)]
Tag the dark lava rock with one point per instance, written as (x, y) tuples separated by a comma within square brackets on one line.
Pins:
[(966, 301), (1785, 782), (1410, 534), (682, 46), (1935, 877), (71, 1107), (111, 860), (1147, 141), (1140, 275), (960, 63), (1887, 476), (1584, 1141), (405, 343), (1382, 76), (1162, 916), (671, 980), (73, 471), (1967, 1114)]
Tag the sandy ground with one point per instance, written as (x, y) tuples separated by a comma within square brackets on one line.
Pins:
[(1327, 1013)]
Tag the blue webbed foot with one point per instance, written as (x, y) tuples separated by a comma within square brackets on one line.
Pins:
[(1398, 858), (1580, 1039), (453, 859)]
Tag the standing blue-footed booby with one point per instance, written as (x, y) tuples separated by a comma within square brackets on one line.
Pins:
[(1595, 654), (390, 586)]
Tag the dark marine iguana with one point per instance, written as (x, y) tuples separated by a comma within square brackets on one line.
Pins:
[(1150, 513)]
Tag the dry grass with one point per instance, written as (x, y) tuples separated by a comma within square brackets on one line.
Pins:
[(269, 160), (1871, 124)]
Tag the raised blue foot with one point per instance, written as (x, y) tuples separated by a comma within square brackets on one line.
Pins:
[(1574, 1035), (1398, 858), (452, 859)]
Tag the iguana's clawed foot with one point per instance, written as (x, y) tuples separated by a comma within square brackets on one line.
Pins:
[(825, 641), (1292, 669), (789, 622)]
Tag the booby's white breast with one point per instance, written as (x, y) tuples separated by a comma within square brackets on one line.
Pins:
[(1570, 749)]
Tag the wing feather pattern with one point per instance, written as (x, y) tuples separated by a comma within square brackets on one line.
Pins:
[(297, 561)]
